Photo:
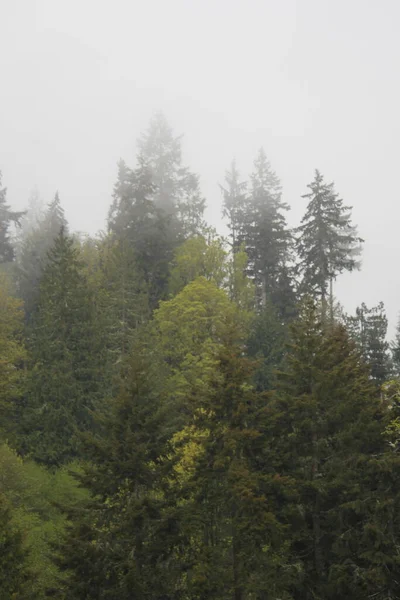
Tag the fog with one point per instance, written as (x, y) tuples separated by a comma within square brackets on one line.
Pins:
[(316, 82)]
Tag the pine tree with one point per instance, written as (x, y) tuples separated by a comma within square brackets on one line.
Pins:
[(12, 359), (265, 232), (229, 542), (116, 547), (14, 574), (234, 201), (135, 220), (32, 255), (324, 426), (368, 328), (7, 217), (177, 191), (121, 302), (64, 380), (327, 242), (266, 344), (395, 351)]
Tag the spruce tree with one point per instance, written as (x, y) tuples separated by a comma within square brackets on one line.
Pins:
[(234, 200), (324, 426), (15, 577), (177, 193), (266, 235), (122, 303), (116, 547), (12, 359), (395, 350), (368, 328), (327, 242), (32, 255), (7, 216), (231, 543), (135, 220), (64, 381)]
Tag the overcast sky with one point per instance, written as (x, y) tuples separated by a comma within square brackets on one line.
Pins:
[(316, 82)]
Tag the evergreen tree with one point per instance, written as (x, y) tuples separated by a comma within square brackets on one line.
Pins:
[(135, 220), (368, 328), (64, 380), (266, 343), (395, 351), (177, 191), (14, 574), (266, 235), (32, 255), (324, 426), (121, 302), (7, 216), (234, 202), (116, 547), (12, 359), (30, 220), (327, 242), (231, 545)]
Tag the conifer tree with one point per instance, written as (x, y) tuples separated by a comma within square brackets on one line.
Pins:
[(176, 191), (395, 351), (368, 328), (232, 543), (116, 546), (327, 242), (12, 359), (326, 425), (64, 380), (266, 343), (135, 220), (14, 574), (234, 202), (7, 216), (32, 255), (266, 235), (122, 304)]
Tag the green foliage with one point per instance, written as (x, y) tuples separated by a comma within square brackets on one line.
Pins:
[(327, 242), (12, 357), (33, 495), (368, 328), (176, 189), (326, 424), (266, 343), (38, 237), (14, 575), (7, 216), (114, 547), (65, 379), (198, 257), (135, 219), (266, 236), (234, 202)]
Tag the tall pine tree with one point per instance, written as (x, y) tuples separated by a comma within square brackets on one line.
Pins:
[(327, 242), (177, 191), (266, 236), (65, 378), (7, 216)]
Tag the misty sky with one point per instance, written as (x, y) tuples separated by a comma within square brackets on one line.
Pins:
[(316, 82)]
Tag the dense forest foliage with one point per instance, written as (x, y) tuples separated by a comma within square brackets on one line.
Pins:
[(191, 417)]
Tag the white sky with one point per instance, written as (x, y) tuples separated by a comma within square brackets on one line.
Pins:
[(316, 82)]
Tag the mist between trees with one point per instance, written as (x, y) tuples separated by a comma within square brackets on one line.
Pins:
[(186, 416)]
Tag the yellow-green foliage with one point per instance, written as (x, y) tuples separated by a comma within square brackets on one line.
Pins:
[(198, 258), (191, 329), (35, 494)]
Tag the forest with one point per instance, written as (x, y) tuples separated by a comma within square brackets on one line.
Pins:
[(192, 416)]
